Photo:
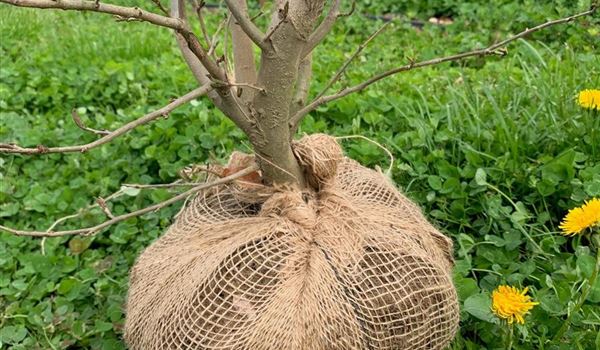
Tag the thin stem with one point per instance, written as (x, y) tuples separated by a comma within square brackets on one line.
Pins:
[(518, 225), (509, 341), (198, 6), (323, 29), (161, 7), (244, 66), (360, 48), (162, 112), (302, 86), (584, 293), (123, 12), (82, 126), (87, 231), (495, 49), (171, 185), (246, 24)]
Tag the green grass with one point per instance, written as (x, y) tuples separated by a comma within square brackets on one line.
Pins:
[(513, 119)]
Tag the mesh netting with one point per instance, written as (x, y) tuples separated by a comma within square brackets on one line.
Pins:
[(352, 265)]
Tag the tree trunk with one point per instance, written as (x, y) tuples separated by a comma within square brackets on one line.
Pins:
[(277, 76)]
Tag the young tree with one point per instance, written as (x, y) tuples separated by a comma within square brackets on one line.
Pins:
[(267, 100)]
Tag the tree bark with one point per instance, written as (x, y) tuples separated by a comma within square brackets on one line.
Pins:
[(278, 74), (243, 56), (289, 29)]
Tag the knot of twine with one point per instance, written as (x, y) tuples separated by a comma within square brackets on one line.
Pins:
[(292, 205), (320, 155)]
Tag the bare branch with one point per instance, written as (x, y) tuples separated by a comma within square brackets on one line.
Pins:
[(282, 15), (215, 38), (250, 86), (102, 204), (198, 70), (193, 62), (178, 11), (243, 55), (198, 6), (324, 28), (302, 85), (126, 13), (202, 63), (175, 184), (195, 66), (189, 173), (350, 12), (185, 36), (161, 7), (11, 148), (80, 212), (177, 23), (495, 49), (246, 24), (206, 71), (362, 46), (95, 229), (82, 126)]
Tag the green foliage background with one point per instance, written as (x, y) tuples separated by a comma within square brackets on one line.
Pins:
[(495, 151)]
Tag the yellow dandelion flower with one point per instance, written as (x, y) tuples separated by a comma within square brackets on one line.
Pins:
[(581, 218), (511, 304), (590, 99)]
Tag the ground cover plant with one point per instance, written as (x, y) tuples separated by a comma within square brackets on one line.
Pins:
[(496, 151)]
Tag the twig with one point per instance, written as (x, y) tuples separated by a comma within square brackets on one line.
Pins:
[(175, 184), (215, 40), (362, 46), (302, 86), (95, 229), (194, 46), (102, 204), (283, 13), (495, 49), (82, 126), (244, 66), (200, 62), (193, 62), (247, 25), (324, 28), (256, 16), (54, 224), (257, 88), (11, 148), (198, 70), (126, 13), (349, 13), (161, 7), (198, 6), (189, 172), (589, 285), (72, 216)]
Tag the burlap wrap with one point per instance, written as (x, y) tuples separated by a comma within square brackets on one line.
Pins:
[(352, 265)]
